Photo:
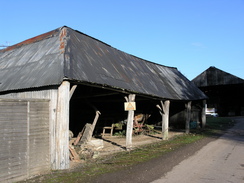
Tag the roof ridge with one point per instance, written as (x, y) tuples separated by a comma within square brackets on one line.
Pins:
[(212, 67), (118, 49), (58, 30)]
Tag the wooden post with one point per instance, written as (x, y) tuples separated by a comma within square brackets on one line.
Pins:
[(129, 127), (204, 114), (72, 91), (164, 111), (188, 116), (62, 127), (165, 124)]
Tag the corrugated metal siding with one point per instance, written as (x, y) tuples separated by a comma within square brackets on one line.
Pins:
[(24, 134)]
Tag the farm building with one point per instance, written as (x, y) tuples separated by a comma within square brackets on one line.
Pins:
[(224, 91), (63, 80)]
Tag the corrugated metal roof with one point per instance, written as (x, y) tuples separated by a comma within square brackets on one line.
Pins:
[(214, 76), (65, 53), (32, 63)]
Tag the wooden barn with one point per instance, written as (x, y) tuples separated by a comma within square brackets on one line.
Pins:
[(224, 91), (63, 80)]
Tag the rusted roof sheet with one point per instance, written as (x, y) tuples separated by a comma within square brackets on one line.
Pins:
[(32, 63), (214, 76), (68, 54)]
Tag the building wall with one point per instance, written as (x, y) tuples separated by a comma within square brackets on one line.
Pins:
[(51, 95), (178, 114), (24, 138)]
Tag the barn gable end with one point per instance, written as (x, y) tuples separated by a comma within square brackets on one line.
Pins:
[(224, 91), (214, 76)]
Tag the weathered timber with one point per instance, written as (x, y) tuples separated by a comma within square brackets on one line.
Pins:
[(188, 116), (94, 124), (72, 91), (111, 128), (24, 138), (164, 111), (89, 128), (73, 155), (62, 126), (129, 127), (79, 136), (204, 114), (86, 134), (49, 94)]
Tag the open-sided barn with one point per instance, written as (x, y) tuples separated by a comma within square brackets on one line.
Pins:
[(60, 80), (224, 91)]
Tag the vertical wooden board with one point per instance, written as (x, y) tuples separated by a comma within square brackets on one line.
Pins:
[(51, 94), (13, 139), (39, 146), (25, 142)]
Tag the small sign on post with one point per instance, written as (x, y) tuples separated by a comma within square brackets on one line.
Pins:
[(130, 106)]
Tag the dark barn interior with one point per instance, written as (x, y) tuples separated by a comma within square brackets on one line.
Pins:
[(227, 99), (224, 91), (87, 99)]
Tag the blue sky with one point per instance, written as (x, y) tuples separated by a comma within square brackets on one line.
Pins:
[(191, 35)]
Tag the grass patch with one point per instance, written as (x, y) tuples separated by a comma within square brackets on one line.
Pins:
[(118, 161), (216, 126), (219, 123), (115, 162)]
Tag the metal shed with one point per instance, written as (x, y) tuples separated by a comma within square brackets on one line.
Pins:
[(51, 66)]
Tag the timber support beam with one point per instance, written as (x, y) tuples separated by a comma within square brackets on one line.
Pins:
[(188, 116), (164, 111), (62, 127), (72, 91), (129, 128), (204, 114)]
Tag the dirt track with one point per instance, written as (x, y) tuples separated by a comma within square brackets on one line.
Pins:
[(220, 161), (152, 170), (158, 167)]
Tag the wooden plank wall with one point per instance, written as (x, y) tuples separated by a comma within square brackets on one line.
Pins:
[(24, 139), (39, 137), (50, 94), (13, 135)]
